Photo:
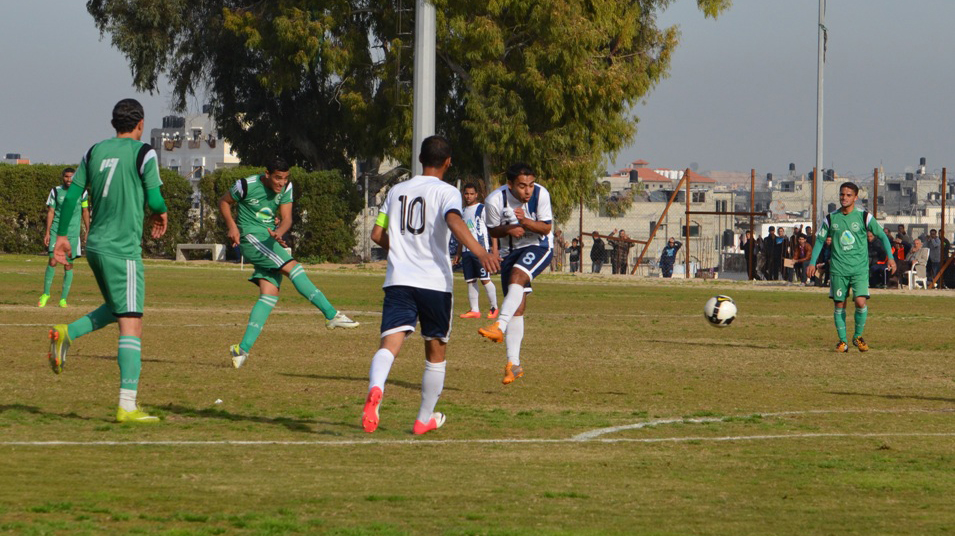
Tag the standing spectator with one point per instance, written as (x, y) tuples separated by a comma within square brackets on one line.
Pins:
[(772, 261), (906, 240), (598, 254), (822, 263), (934, 246), (877, 261), (668, 256), (761, 269), (810, 236), (783, 252), (749, 254), (613, 252), (621, 252), (560, 246), (800, 257), (574, 252)]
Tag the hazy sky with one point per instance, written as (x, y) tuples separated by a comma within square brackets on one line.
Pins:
[(741, 92)]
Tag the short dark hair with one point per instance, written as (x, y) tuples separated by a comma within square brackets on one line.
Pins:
[(276, 163), (67, 170), (126, 115), (850, 185), (434, 151), (516, 170), (470, 185), (772, 228)]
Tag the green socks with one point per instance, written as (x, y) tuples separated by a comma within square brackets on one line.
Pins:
[(99, 318), (258, 316), (305, 287), (67, 282), (130, 362), (861, 314), (48, 279), (839, 315)]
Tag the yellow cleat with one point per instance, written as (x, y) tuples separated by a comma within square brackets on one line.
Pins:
[(511, 373), (43, 299), (492, 332), (135, 416), (859, 343), (59, 346), (63, 303)]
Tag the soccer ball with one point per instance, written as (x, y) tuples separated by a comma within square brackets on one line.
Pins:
[(720, 311)]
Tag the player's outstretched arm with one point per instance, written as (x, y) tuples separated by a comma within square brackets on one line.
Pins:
[(459, 229), (225, 210)]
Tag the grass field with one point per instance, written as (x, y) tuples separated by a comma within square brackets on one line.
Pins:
[(633, 417)]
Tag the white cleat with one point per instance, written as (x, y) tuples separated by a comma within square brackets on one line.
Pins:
[(341, 321), (238, 356)]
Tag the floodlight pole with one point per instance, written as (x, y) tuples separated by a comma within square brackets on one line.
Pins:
[(424, 69), (820, 64)]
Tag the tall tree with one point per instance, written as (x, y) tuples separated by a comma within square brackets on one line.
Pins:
[(547, 82)]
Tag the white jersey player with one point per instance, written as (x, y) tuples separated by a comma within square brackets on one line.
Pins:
[(519, 213), (414, 226), (473, 271)]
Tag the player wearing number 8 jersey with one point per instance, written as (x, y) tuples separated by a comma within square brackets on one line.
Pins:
[(122, 175), (413, 228), (519, 214)]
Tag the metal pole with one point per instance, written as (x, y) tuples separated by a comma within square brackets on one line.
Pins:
[(820, 64), (944, 192), (752, 223), (686, 222), (875, 193), (580, 237), (424, 69), (815, 178)]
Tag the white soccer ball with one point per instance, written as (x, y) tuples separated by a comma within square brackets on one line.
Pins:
[(720, 311)]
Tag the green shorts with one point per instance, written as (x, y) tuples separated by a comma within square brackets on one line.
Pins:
[(75, 246), (121, 282), (840, 285), (267, 256)]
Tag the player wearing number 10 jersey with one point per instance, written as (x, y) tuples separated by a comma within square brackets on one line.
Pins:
[(413, 227), (519, 214)]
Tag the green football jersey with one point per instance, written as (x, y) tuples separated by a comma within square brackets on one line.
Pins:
[(55, 199), (850, 244), (258, 205), (117, 172)]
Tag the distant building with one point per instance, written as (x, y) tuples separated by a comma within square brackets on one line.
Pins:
[(14, 158), (192, 146)]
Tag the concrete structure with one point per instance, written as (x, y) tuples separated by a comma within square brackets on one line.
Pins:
[(14, 159)]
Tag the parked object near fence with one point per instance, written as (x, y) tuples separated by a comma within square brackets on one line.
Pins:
[(218, 250)]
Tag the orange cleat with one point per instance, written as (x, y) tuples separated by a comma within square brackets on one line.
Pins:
[(369, 416), (471, 314), (492, 332), (842, 347), (511, 373)]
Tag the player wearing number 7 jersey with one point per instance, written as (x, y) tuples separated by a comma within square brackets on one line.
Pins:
[(413, 227), (122, 175), (519, 214)]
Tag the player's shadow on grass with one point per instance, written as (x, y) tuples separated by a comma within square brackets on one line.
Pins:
[(293, 424), (154, 360), (894, 397), (33, 410), (364, 379), (711, 343)]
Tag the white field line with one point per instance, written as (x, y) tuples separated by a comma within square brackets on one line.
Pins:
[(592, 436)]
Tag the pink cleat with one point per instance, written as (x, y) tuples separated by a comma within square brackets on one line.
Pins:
[(369, 416), (436, 421)]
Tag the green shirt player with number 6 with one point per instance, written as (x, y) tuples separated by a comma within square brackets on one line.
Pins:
[(849, 265), (122, 175), (260, 198)]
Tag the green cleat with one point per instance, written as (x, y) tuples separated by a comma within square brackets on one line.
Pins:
[(59, 346), (135, 416), (43, 299), (63, 304), (238, 356)]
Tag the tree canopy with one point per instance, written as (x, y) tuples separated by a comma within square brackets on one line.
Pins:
[(546, 82)]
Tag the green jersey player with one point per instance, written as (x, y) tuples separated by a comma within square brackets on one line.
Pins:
[(54, 202), (849, 264), (261, 199), (122, 175)]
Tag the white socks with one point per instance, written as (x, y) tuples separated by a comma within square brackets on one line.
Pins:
[(515, 294), (513, 338), (473, 296), (491, 294), (380, 367), (127, 399), (432, 383)]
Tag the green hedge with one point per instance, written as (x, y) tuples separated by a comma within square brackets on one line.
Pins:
[(23, 192), (325, 207)]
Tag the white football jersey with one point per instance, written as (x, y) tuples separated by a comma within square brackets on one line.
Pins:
[(499, 210), (418, 233), (474, 218)]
